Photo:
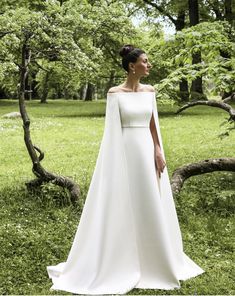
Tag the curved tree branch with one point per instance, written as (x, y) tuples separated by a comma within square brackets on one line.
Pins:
[(230, 98), (4, 33), (41, 153), (43, 175), (198, 168), (160, 9), (211, 103)]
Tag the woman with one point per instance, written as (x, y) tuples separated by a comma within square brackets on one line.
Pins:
[(128, 235)]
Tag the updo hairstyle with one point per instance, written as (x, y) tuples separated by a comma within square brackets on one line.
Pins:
[(129, 54)]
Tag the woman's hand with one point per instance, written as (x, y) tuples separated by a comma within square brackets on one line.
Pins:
[(159, 161)]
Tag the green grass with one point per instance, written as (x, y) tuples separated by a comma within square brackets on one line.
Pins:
[(37, 229)]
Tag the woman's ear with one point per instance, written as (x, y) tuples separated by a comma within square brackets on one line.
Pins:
[(131, 67)]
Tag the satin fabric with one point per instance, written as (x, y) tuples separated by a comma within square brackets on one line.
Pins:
[(128, 235)]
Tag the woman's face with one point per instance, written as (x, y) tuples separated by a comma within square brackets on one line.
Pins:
[(142, 66)]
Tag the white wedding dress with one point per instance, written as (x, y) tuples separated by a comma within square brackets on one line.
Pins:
[(128, 235)]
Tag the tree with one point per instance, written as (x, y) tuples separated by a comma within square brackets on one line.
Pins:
[(113, 29), (196, 87), (57, 39), (31, 37), (175, 12), (107, 28), (209, 39)]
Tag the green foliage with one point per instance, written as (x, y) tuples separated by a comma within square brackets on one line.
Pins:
[(78, 41), (210, 39), (37, 229), (70, 44)]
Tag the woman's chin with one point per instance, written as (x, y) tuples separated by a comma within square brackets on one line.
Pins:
[(145, 74)]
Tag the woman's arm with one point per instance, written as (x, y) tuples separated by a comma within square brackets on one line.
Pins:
[(152, 127), (154, 135), (158, 156)]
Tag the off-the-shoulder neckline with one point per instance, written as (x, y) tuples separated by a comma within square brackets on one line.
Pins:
[(131, 92)]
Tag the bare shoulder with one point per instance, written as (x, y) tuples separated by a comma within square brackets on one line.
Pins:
[(149, 87), (114, 89), (120, 88)]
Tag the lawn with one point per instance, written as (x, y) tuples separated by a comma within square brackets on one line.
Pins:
[(37, 229)]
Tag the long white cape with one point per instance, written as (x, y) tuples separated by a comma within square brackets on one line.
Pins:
[(103, 236)]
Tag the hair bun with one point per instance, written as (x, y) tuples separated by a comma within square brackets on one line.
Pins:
[(126, 49)]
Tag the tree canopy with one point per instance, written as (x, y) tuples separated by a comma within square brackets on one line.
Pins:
[(74, 46)]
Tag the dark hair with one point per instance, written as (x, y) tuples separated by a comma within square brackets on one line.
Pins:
[(129, 54)]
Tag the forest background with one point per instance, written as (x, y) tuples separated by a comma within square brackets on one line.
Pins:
[(69, 51)]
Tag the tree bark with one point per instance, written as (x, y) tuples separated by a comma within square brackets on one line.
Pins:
[(44, 93), (193, 12), (229, 15), (197, 83), (184, 93), (226, 55), (179, 25), (211, 103), (82, 92), (196, 87), (111, 80), (207, 165), (198, 168), (229, 98), (27, 87), (42, 175), (90, 92), (183, 85)]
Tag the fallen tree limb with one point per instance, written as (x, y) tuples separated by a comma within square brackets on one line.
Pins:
[(61, 181), (211, 103), (198, 168)]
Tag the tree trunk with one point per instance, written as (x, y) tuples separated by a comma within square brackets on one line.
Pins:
[(111, 80), (95, 92), (196, 87), (3, 95), (179, 25), (184, 93), (27, 89), (82, 91), (33, 85), (229, 17), (90, 92), (226, 55), (30, 90), (42, 175), (193, 12), (45, 90)]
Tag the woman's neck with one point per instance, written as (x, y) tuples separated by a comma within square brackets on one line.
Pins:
[(132, 83)]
